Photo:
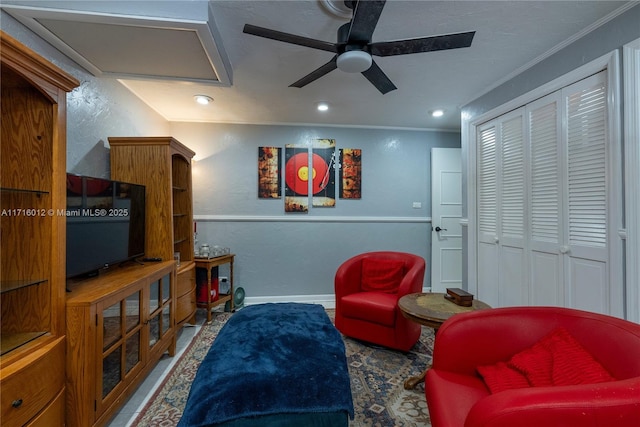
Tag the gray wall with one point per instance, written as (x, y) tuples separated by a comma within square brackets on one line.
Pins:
[(297, 254), (607, 38)]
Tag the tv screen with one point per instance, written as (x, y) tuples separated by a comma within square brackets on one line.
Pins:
[(105, 223)]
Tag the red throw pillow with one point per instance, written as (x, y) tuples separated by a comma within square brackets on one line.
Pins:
[(535, 363), (381, 274), (500, 377), (556, 360), (572, 364)]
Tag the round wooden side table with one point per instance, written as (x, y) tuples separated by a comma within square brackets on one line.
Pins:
[(431, 309)]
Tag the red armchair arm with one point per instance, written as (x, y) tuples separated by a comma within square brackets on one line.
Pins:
[(412, 280), (605, 404), (348, 277)]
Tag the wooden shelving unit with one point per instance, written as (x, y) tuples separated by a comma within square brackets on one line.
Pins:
[(32, 270), (163, 166)]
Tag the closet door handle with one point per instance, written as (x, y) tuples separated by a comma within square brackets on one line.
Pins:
[(438, 229), (564, 249)]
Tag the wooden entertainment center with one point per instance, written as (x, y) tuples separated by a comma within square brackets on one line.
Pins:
[(73, 351)]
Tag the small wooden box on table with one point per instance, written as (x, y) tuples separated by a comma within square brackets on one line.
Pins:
[(208, 264)]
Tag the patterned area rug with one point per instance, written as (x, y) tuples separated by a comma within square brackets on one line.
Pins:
[(377, 382)]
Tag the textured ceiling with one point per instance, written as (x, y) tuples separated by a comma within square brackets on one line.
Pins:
[(510, 36)]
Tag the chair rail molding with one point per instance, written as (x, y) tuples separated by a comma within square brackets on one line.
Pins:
[(341, 219)]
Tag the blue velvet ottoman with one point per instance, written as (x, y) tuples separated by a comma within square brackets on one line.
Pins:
[(273, 365)]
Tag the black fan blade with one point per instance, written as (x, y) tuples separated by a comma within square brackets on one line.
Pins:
[(379, 79), (317, 73), (424, 44), (365, 18), (289, 38)]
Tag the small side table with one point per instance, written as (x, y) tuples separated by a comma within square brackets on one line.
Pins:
[(431, 309), (208, 264)]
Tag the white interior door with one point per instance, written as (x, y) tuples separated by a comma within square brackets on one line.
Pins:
[(446, 211)]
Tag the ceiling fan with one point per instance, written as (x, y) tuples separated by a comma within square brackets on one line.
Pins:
[(354, 48)]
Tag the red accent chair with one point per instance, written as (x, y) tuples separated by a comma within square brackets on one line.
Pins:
[(458, 396), (367, 289)]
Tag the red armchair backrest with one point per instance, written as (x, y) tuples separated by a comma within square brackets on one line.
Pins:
[(614, 342), (348, 276)]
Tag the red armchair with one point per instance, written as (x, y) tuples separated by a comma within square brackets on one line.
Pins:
[(457, 395), (367, 289)]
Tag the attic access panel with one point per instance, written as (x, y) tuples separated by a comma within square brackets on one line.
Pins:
[(132, 47)]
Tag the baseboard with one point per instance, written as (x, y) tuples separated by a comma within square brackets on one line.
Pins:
[(327, 301)]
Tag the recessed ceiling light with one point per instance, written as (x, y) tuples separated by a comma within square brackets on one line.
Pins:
[(203, 99), (437, 113), (323, 106)]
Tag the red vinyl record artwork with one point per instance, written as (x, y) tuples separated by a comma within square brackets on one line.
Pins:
[(297, 173)]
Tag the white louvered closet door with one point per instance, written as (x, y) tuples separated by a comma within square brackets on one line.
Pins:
[(501, 178), (546, 212), (586, 234), (513, 273), (488, 234), (543, 201)]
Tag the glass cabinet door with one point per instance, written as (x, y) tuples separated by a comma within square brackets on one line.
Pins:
[(159, 309), (121, 335), (111, 347)]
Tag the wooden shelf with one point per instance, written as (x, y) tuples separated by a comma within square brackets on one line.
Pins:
[(12, 285), (24, 190), (10, 342)]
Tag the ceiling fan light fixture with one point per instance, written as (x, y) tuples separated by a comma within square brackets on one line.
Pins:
[(354, 61), (203, 99)]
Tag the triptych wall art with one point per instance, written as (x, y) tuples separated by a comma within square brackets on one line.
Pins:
[(309, 174)]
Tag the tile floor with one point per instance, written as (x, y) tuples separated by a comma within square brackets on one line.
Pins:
[(131, 409)]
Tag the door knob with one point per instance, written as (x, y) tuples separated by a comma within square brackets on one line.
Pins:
[(438, 229)]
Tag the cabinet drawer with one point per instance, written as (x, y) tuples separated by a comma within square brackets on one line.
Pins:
[(28, 390), (186, 282), (186, 306), (52, 415)]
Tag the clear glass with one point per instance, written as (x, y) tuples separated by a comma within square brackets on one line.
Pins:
[(132, 348), (111, 325), (132, 307), (166, 289), (154, 330), (111, 371), (166, 318), (154, 296)]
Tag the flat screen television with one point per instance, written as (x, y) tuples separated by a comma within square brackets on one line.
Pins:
[(105, 223)]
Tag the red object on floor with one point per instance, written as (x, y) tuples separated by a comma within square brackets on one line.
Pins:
[(215, 291)]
